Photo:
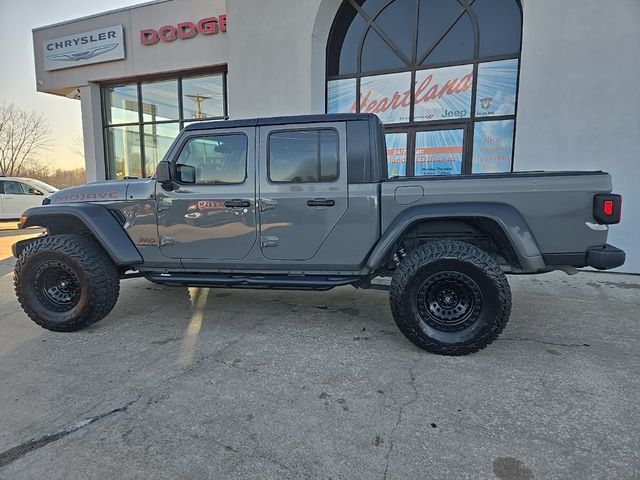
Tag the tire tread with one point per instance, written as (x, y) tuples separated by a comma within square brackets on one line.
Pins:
[(442, 250), (97, 266)]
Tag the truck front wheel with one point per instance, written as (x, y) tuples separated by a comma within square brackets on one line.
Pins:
[(450, 298), (66, 282)]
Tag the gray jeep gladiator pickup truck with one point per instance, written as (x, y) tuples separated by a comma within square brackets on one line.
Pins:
[(304, 203)]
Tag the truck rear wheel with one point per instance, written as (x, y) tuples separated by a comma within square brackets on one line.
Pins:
[(450, 298), (66, 282)]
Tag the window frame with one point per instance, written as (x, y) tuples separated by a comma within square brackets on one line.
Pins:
[(413, 65), (197, 135), (316, 129), (140, 123)]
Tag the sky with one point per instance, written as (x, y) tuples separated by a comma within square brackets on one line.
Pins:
[(17, 74)]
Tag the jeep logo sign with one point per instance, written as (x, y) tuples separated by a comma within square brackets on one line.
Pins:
[(184, 30)]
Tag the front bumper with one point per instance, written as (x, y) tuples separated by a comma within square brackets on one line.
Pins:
[(605, 257)]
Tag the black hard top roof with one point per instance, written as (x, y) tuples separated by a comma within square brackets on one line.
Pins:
[(255, 122)]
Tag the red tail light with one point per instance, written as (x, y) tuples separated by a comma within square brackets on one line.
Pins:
[(607, 208)]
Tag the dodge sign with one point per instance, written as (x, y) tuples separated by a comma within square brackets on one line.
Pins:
[(96, 46)]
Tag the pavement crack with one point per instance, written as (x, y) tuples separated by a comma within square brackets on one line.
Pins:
[(234, 365), (521, 339), (401, 410), (9, 456)]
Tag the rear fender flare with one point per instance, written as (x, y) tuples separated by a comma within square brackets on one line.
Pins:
[(505, 216), (97, 219)]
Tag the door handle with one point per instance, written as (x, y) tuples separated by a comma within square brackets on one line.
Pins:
[(321, 202), (237, 203)]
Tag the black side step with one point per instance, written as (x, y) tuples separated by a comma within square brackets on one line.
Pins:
[(281, 282)]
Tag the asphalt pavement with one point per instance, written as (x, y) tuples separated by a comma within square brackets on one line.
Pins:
[(181, 383)]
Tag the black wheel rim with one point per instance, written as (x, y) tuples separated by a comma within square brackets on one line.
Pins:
[(449, 301), (57, 286)]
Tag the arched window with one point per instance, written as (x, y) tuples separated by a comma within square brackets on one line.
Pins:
[(442, 75)]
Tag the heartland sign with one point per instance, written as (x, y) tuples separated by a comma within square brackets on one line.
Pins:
[(184, 30), (439, 94), (96, 46)]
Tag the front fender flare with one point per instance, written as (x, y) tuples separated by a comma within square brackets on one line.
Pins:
[(100, 222), (507, 217)]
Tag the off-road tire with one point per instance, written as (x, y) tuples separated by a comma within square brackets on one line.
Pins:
[(93, 277), (426, 285)]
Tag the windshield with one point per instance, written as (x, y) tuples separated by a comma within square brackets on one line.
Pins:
[(43, 186)]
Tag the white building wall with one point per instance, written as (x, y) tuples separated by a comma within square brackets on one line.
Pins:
[(92, 132), (579, 99), (271, 57)]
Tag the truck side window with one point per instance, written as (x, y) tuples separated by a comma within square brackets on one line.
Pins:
[(303, 156), (217, 159)]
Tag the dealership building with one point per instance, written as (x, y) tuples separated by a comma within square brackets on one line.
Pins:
[(463, 87)]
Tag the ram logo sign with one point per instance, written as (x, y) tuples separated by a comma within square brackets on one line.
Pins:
[(96, 46)]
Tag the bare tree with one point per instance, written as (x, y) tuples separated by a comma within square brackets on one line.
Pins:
[(58, 177), (77, 146), (22, 136)]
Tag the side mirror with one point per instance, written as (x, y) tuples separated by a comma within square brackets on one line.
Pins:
[(186, 173), (33, 191), (163, 172)]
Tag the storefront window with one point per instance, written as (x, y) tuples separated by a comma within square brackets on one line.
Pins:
[(439, 152), (443, 93), (388, 96), (122, 104), (493, 146), (157, 140), (442, 72), (203, 97), (160, 101), (126, 154), (142, 119), (497, 88), (396, 154), (342, 96)]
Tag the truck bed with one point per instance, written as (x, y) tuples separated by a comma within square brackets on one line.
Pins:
[(549, 213)]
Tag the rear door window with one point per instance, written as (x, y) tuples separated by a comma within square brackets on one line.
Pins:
[(15, 188), (303, 156)]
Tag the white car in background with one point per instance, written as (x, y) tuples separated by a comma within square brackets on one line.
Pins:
[(18, 194)]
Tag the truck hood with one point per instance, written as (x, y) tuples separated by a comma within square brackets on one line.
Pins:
[(106, 191)]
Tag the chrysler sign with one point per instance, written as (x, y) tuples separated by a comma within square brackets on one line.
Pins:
[(96, 46)]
